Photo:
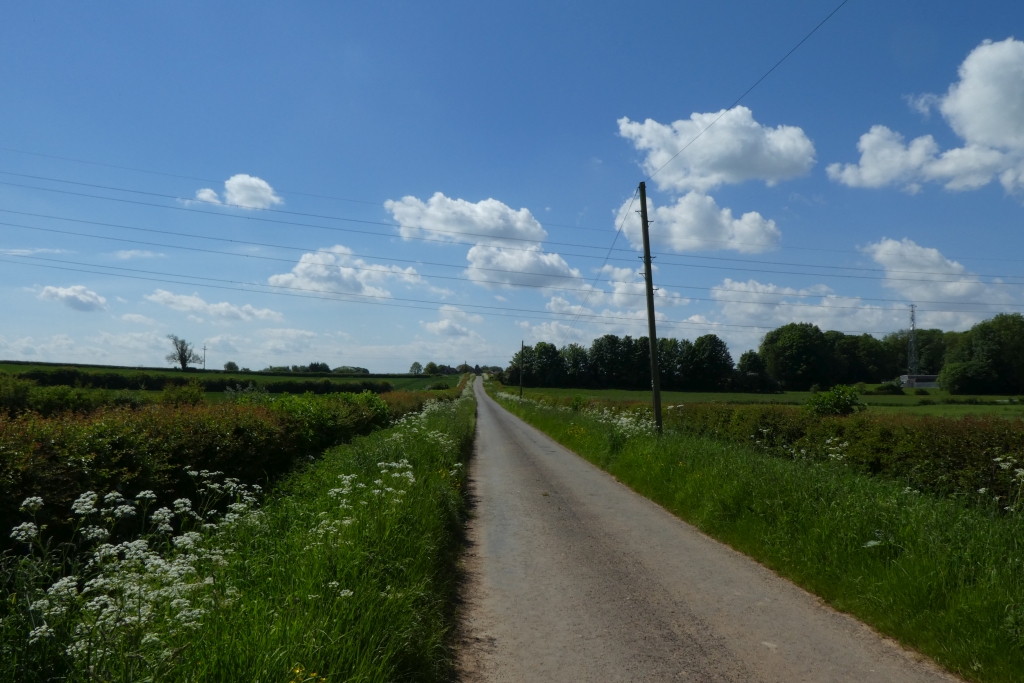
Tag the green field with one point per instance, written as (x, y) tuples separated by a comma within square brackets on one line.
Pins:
[(1004, 406), (401, 382)]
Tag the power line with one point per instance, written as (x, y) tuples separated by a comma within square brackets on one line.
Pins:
[(967, 277), (172, 175), (376, 300), (603, 263), (501, 270), (748, 90), (699, 240), (491, 237)]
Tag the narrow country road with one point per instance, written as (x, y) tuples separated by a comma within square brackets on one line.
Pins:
[(573, 577)]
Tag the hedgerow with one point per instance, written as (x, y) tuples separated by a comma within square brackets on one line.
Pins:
[(945, 456), (73, 377), (939, 455), (149, 448), (343, 573)]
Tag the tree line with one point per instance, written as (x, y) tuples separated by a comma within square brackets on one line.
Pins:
[(988, 358)]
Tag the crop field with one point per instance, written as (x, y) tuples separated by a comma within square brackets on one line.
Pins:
[(398, 381), (934, 403)]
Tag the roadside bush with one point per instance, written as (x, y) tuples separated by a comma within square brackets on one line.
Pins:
[(14, 394), (251, 394), (131, 450), (332, 573), (51, 400), (957, 457), (888, 389), (74, 377), (839, 400), (190, 394)]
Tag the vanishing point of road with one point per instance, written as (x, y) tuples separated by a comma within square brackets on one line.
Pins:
[(571, 576)]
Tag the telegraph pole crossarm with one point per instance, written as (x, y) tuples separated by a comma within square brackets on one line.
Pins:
[(652, 334)]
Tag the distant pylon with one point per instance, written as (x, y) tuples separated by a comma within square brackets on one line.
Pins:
[(912, 359)]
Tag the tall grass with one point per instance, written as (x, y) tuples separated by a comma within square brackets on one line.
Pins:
[(942, 575), (345, 574)]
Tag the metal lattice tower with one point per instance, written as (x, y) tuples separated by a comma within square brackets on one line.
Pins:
[(912, 358)]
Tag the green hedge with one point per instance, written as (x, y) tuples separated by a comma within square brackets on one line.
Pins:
[(959, 457), (131, 450), (74, 377)]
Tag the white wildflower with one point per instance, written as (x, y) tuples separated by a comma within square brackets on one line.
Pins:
[(85, 504), (38, 633), (25, 531), (162, 519), (146, 497), (31, 504)]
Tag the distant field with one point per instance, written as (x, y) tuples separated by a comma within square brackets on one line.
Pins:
[(401, 382), (987, 405)]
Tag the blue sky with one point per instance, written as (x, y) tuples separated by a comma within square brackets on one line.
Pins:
[(384, 183)]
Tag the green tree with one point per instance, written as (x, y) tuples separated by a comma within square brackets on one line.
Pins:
[(231, 366), (674, 357), (430, 368), (605, 356), (548, 365), (750, 363), (710, 365), (988, 359), (416, 368), (576, 364), (795, 355), (183, 353), (932, 348), (839, 400)]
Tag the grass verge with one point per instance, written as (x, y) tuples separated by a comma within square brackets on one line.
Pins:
[(345, 574), (940, 576)]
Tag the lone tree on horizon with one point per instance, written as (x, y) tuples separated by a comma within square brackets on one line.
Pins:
[(183, 353)]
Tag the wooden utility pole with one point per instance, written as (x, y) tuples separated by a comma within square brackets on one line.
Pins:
[(204, 357), (522, 352), (652, 334)]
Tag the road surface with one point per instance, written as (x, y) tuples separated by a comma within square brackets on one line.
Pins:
[(571, 577)]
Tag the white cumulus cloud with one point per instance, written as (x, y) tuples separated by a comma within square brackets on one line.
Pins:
[(486, 222), (286, 340), (137, 318), (923, 273), (532, 267), (223, 311), (449, 324), (335, 270), (77, 297), (735, 149), (244, 191), (127, 254), (446, 327), (509, 242), (985, 107), (696, 222)]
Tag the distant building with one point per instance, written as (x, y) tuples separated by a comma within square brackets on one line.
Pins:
[(919, 381)]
